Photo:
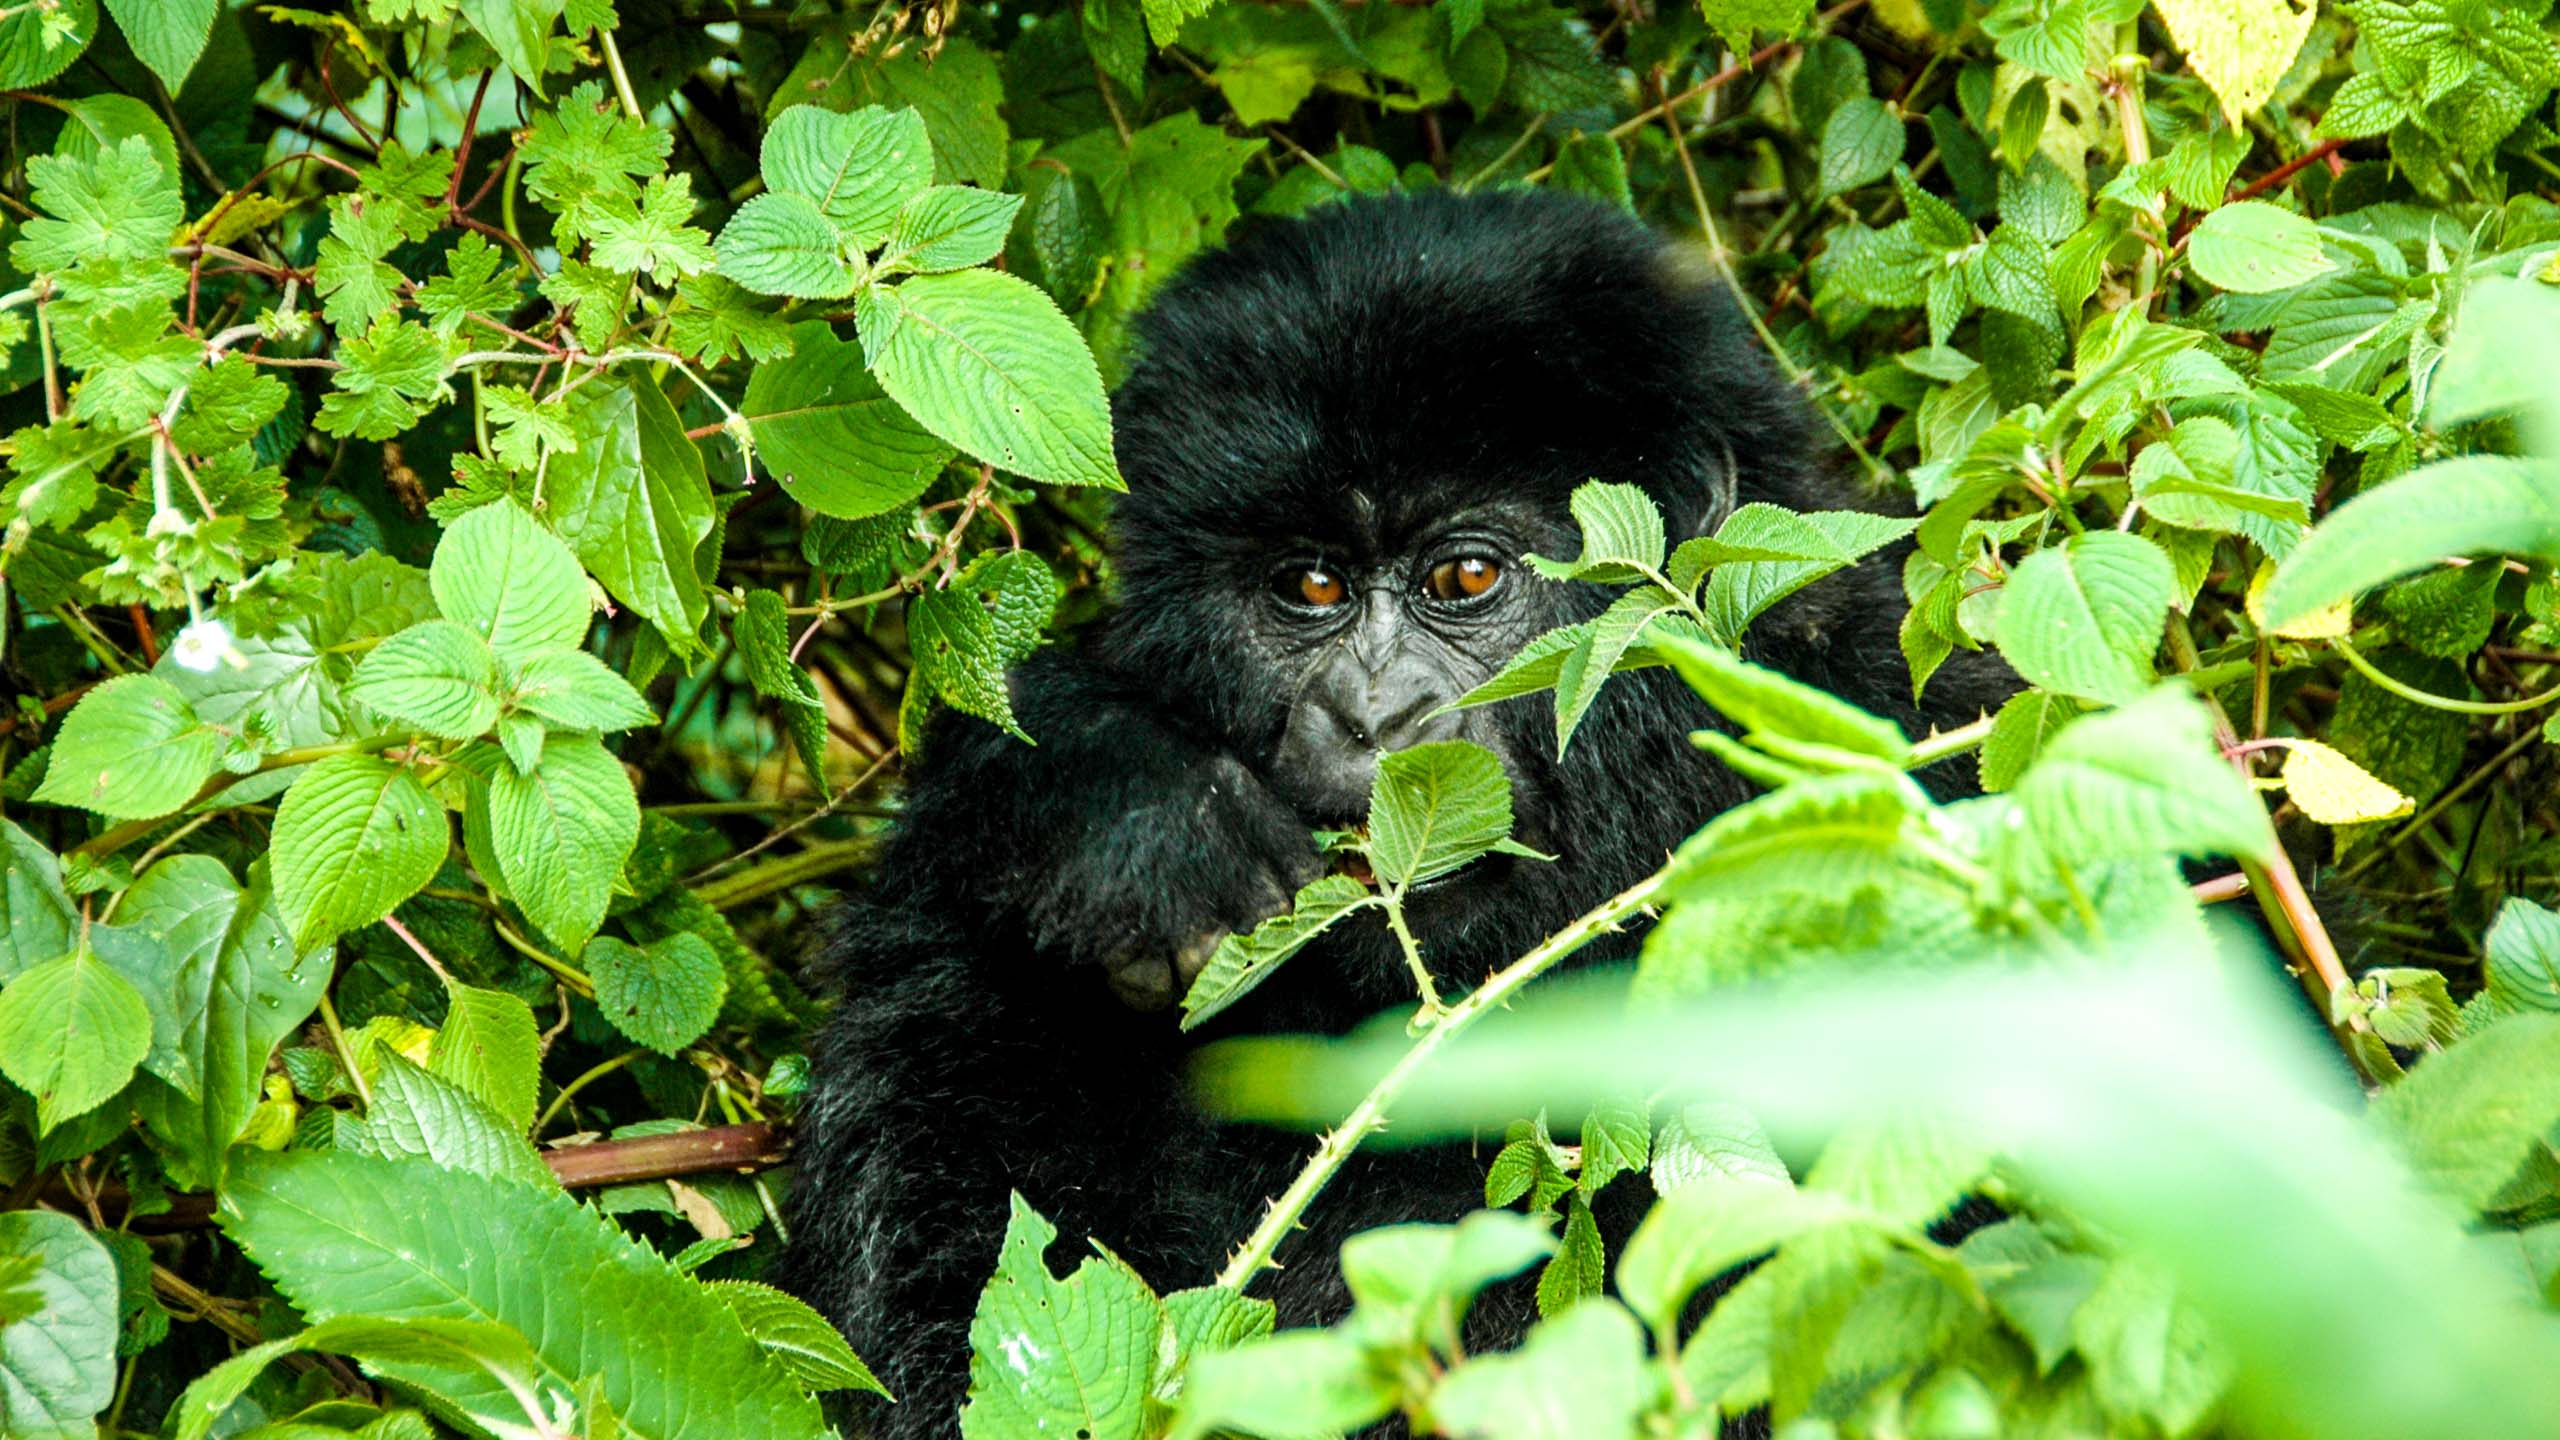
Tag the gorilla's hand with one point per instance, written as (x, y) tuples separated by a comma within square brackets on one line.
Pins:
[(1217, 857)]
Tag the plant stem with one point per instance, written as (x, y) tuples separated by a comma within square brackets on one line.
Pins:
[(1431, 1010), (594, 1074), (2416, 696), (776, 875), (1370, 1115)]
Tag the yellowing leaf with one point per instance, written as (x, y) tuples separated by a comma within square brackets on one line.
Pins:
[(2239, 48), (2330, 623), (2334, 790)]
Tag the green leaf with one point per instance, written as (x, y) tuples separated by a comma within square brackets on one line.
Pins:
[(2523, 958), (416, 1114), (488, 1047), (1699, 1231), (985, 361), (2084, 617), (633, 502), (574, 690), (1861, 143), (1413, 1283), (355, 836), (2252, 247), (1579, 1270), (666, 996), (1768, 704), (95, 123), (1622, 536), (519, 30), (1058, 1357), (831, 435), (562, 833), (1538, 666), (2018, 734), (949, 227), (1579, 1376), (781, 243), (118, 205), (1715, 1141), (41, 41), (71, 1032), (1826, 835), (238, 988), (344, 1234), (58, 1365), (856, 168), (1433, 809), (967, 634), (38, 922), (2464, 506), (470, 1346), (133, 748), (166, 35), (436, 675), (1736, 20), (798, 1338), (513, 583), (1613, 636), (1740, 592), (1243, 961), (1298, 1382), (391, 376), (2142, 780), (655, 237), (2468, 1116), (2501, 357)]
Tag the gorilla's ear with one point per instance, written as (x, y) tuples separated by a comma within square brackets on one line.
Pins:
[(1724, 488)]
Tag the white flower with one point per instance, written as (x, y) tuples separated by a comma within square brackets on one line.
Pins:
[(202, 646)]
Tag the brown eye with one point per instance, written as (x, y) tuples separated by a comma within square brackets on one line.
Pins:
[(1462, 579), (1320, 588)]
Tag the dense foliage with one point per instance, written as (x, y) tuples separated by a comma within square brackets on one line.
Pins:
[(617, 425)]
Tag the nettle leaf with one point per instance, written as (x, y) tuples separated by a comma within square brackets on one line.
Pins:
[(1741, 591), (58, 1357), (416, 1113), (510, 582), (1736, 20), (1715, 1141), (2018, 734), (797, 1338), (986, 361), (967, 634), (1826, 834), (1058, 1357), (345, 1234), (782, 244), (437, 675), (949, 227), (1622, 536), (1537, 667), (1243, 961), (1579, 1376), (488, 1046), (856, 169), (1861, 143), (574, 690), (633, 502), (466, 1345), (2468, 1117), (561, 834), (831, 435), (2468, 505), (2142, 780), (72, 1032), (355, 836), (1583, 669), (665, 996), (132, 748), (2252, 247), (1433, 809), (2523, 958), (2084, 617), (1774, 707)]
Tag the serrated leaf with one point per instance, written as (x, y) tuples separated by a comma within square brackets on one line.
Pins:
[(949, 227), (1736, 20), (2251, 246), (1298, 1382), (1739, 593), (1621, 536), (1243, 961), (633, 503), (472, 1346), (831, 435), (39, 43), (120, 204), (1434, 808), (2084, 617), (1612, 636), (2239, 48), (986, 361), (562, 833), (1699, 1231), (349, 1234), (414, 1113), (574, 690), (2142, 780), (436, 675), (2464, 506), (355, 836), (58, 1364), (1767, 703), (132, 748), (664, 997), (2335, 790), (1826, 834), (1537, 667), (797, 1337), (965, 635), (1712, 1142), (2018, 734), (856, 169), (1861, 143), (511, 582), (781, 244), (166, 35), (1580, 1267), (72, 1031), (488, 1046), (1058, 1357)]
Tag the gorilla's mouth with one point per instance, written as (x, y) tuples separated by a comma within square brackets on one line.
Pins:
[(1353, 864)]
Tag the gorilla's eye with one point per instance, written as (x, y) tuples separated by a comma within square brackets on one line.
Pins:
[(1320, 588), (1463, 579)]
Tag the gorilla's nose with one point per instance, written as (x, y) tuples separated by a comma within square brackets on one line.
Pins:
[(1389, 716)]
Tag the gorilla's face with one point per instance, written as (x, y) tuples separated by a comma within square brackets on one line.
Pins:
[(1368, 640)]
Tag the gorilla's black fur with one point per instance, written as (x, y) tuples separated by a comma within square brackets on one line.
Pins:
[(1336, 381)]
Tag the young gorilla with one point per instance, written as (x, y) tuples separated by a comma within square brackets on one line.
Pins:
[(1340, 437)]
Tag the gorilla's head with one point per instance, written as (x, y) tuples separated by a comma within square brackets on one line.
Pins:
[(1342, 435)]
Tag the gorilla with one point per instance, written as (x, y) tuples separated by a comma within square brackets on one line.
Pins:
[(1341, 437)]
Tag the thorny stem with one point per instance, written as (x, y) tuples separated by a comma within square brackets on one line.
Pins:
[(1370, 1115), (1432, 1010)]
